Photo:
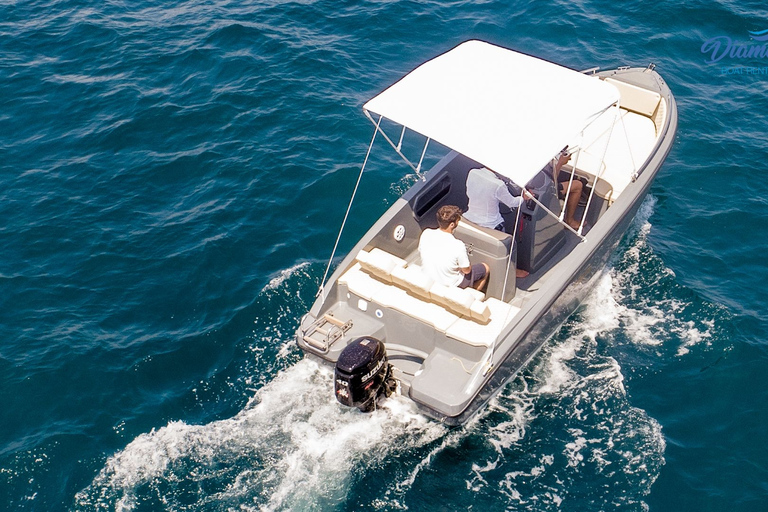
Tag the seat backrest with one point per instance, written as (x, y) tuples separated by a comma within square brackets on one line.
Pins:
[(490, 241), (391, 269), (379, 263), (413, 279), (636, 99)]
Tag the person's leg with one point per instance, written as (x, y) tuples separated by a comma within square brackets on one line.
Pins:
[(482, 283), (477, 277), (574, 196)]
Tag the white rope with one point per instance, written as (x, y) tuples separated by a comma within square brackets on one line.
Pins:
[(464, 367), (346, 215)]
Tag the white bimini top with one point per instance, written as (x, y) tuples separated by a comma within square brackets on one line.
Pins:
[(509, 111)]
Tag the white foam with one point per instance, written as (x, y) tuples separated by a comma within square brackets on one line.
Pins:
[(292, 431), (574, 448), (583, 387), (276, 281)]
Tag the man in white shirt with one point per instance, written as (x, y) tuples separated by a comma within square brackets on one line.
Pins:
[(486, 191), (444, 257)]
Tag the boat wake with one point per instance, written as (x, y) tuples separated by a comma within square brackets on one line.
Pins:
[(651, 309), (292, 447), (563, 431)]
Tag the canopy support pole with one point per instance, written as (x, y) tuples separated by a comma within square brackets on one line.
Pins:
[(418, 167), (396, 147), (400, 142), (512, 247), (321, 290), (557, 217), (489, 364), (600, 174)]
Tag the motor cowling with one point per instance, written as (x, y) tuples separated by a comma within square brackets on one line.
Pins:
[(362, 374)]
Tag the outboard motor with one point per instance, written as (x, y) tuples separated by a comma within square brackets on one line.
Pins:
[(363, 374)]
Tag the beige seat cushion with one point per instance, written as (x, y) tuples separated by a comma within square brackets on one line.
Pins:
[(476, 334), (455, 299), (476, 293), (431, 314), (480, 311), (379, 263), (413, 279), (360, 283), (636, 98)]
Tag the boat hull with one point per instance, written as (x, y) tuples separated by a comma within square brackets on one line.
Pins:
[(567, 283)]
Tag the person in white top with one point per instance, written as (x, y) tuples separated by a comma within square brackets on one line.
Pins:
[(444, 257), (486, 191)]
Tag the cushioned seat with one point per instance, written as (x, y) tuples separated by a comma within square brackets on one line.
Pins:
[(379, 263), (636, 98), (413, 279), (360, 283), (473, 333), (427, 312), (421, 297)]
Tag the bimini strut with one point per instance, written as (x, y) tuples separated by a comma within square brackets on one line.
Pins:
[(599, 175), (398, 147), (321, 290), (573, 173)]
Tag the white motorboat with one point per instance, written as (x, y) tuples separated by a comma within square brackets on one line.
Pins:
[(385, 325)]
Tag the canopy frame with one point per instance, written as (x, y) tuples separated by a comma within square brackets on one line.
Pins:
[(559, 217), (507, 110)]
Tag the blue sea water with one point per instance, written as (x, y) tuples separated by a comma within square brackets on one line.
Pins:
[(172, 179)]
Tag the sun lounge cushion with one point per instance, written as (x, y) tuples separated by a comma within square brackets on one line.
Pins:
[(360, 283), (412, 279), (636, 98), (476, 334), (379, 263)]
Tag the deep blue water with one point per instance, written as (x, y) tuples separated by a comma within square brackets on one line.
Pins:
[(172, 179)]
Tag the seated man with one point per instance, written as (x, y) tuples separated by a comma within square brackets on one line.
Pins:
[(562, 180), (444, 257), (486, 191)]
